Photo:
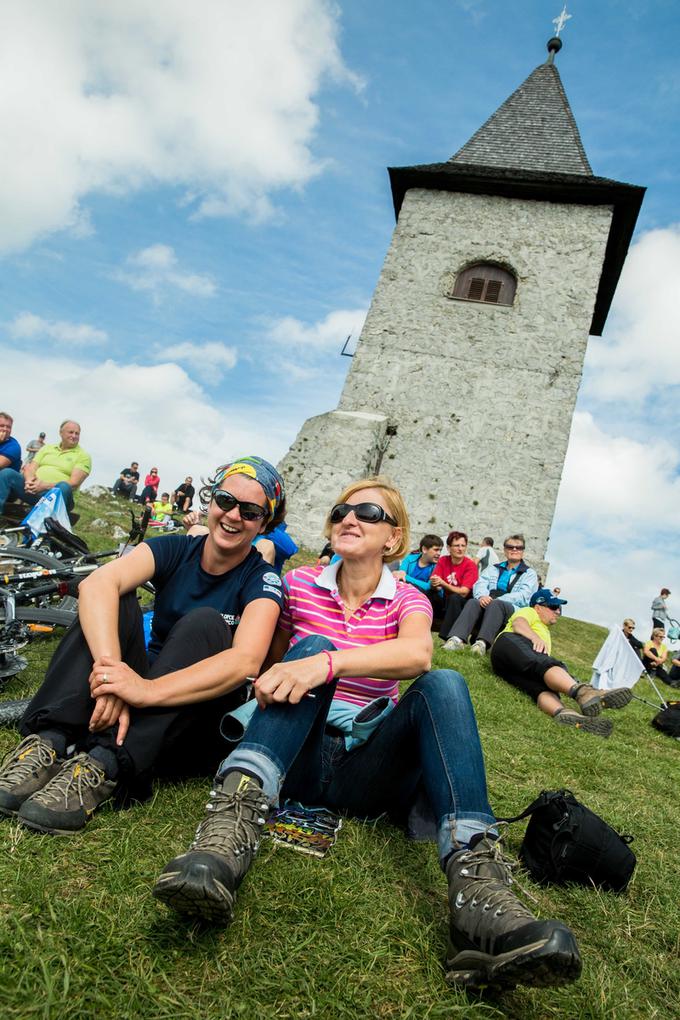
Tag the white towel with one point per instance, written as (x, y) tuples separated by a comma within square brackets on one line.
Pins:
[(616, 664)]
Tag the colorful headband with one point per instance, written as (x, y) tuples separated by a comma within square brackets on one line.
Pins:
[(262, 471)]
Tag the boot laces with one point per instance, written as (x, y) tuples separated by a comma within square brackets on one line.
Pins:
[(78, 774), (492, 891), (26, 760), (232, 822)]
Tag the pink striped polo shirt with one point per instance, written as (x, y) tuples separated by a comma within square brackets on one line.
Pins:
[(312, 605)]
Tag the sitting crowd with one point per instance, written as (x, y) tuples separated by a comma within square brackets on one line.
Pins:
[(179, 501), (323, 653)]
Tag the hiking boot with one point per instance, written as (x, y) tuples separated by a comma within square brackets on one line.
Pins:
[(566, 717), (494, 940), (479, 648), (68, 801), (454, 644), (591, 702), (203, 882), (26, 769)]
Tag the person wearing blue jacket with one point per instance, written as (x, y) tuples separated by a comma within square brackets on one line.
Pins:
[(417, 567), (497, 593), (276, 547)]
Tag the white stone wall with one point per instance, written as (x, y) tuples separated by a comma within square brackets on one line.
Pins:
[(482, 396), (329, 451)]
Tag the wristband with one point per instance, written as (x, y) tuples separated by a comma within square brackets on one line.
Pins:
[(329, 676)]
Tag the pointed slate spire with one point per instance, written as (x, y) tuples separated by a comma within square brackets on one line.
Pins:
[(534, 129)]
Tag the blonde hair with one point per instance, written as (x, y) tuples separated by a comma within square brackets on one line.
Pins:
[(395, 507), (659, 632), (629, 623)]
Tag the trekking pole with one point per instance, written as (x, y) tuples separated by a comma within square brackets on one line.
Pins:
[(650, 703), (657, 692)]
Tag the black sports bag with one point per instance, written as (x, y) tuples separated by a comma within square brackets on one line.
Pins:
[(567, 842), (668, 720)]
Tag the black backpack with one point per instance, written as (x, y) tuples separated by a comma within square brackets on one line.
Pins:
[(567, 842), (668, 720)]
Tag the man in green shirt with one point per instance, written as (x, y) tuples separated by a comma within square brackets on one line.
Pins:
[(64, 465), (521, 656)]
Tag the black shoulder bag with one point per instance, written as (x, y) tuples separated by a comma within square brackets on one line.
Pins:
[(567, 842)]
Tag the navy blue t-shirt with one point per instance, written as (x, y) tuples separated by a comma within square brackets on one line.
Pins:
[(11, 449), (182, 585)]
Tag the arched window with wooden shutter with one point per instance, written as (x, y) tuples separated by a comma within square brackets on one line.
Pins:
[(485, 282)]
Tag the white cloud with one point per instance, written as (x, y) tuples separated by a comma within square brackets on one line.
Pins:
[(309, 353), (617, 484), (327, 335), (616, 524), (156, 269), (155, 414), (27, 326), (640, 353), (216, 97), (208, 361)]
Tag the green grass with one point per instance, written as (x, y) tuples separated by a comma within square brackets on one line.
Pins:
[(361, 933)]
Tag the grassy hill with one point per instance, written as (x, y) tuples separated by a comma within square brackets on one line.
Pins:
[(361, 933)]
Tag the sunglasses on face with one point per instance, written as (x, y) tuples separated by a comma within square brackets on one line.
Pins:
[(367, 513), (514, 548), (248, 511)]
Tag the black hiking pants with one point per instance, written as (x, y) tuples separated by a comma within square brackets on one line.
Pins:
[(183, 740)]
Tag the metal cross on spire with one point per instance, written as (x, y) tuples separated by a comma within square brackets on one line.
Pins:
[(561, 21)]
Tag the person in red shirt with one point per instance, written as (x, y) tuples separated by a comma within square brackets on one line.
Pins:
[(454, 575)]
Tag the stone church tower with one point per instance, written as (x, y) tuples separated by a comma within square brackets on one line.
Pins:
[(464, 381)]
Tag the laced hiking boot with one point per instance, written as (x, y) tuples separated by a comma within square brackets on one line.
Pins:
[(454, 644), (479, 648), (202, 883), (567, 717), (494, 940), (26, 769), (66, 804), (591, 702)]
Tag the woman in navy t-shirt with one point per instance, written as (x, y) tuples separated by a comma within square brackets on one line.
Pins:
[(132, 714)]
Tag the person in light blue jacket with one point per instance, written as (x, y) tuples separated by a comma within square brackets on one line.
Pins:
[(497, 593)]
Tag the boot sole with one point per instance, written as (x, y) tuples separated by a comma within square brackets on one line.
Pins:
[(53, 830), (608, 699), (602, 727), (198, 894), (547, 963), (48, 830)]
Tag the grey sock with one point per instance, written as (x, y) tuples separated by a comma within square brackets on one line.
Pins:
[(56, 739), (107, 759)]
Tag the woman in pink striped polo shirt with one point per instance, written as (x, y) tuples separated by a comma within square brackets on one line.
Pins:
[(334, 731)]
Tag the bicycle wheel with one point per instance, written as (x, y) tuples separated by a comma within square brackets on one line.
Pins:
[(20, 556), (42, 614)]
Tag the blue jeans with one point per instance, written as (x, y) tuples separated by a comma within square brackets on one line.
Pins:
[(430, 738), (12, 487)]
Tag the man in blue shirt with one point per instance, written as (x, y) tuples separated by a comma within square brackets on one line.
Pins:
[(417, 567), (10, 451)]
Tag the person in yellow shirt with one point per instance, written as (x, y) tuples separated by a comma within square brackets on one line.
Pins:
[(655, 653), (521, 655), (64, 465), (161, 513)]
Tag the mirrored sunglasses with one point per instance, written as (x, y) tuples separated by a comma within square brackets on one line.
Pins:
[(367, 513)]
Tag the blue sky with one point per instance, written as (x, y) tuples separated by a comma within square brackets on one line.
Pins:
[(195, 210)]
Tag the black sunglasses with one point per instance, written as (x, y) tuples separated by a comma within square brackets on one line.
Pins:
[(368, 513), (248, 511)]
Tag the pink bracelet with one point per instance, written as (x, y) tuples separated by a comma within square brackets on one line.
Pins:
[(329, 678)]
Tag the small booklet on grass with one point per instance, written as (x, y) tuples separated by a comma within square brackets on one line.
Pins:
[(311, 830)]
